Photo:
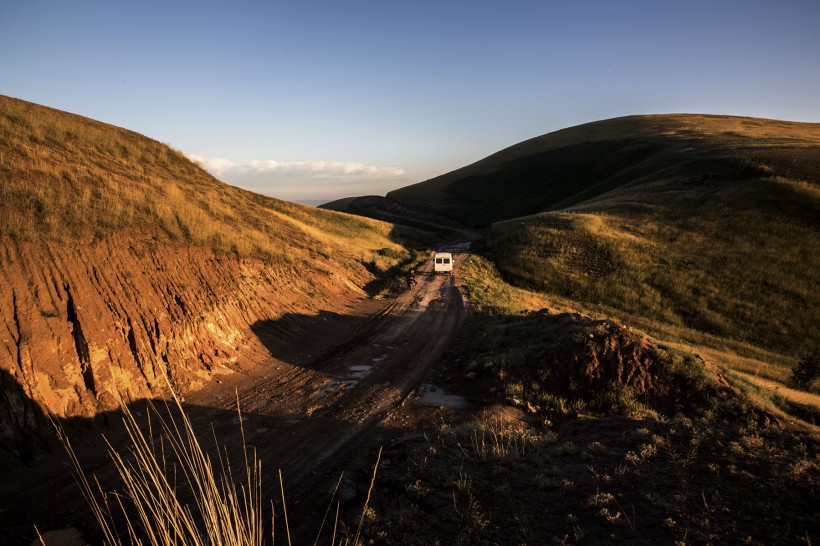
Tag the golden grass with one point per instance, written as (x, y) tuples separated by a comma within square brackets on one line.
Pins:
[(491, 296), (736, 268), (173, 494), (801, 397), (156, 474), (73, 179)]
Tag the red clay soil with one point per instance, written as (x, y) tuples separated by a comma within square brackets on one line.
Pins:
[(83, 325), (317, 388)]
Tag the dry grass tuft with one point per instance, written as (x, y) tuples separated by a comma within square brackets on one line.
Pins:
[(157, 474), (173, 493)]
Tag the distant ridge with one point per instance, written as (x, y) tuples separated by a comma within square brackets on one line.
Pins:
[(698, 228), (566, 167)]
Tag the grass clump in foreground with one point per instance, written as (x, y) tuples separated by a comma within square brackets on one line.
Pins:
[(158, 474), (173, 493)]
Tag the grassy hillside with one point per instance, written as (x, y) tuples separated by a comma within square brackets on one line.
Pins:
[(703, 229), (565, 167), (73, 179)]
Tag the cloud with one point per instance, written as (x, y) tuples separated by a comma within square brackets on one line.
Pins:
[(214, 165), (328, 169), (304, 180)]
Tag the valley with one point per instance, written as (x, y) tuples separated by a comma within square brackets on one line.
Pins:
[(612, 361)]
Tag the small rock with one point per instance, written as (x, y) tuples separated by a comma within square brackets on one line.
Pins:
[(470, 375), (473, 365)]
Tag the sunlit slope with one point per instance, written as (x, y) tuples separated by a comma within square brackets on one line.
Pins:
[(726, 244), (565, 167), (69, 178), (125, 267)]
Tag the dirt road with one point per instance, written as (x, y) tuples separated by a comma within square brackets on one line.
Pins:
[(306, 418), (321, 397)]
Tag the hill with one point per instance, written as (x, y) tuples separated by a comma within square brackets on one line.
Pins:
[(702, 229), (566, 167), (383, 208), (123, 263)]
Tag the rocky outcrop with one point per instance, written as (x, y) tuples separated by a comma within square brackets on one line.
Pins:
[(84, 326)]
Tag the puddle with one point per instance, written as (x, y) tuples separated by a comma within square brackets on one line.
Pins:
[(361, 371), (436, 397), (329, 388), (261, 430), (379, 358)]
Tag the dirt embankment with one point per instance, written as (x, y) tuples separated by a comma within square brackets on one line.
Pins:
[(569, 361), (589, 356), (83, 326)]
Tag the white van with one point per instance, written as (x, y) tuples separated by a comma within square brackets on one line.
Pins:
[(443, 263)]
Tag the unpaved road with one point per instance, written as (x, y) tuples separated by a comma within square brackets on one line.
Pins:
[(318, 401)]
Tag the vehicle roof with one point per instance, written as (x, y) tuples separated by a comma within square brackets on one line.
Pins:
[(443, 254)]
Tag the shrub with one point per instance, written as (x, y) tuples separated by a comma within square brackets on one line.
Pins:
[(806, 374)]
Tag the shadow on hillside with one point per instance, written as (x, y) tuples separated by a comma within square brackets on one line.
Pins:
[(38, 485)]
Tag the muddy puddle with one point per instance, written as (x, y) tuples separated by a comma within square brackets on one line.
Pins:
[(360, 371), (431, 395)]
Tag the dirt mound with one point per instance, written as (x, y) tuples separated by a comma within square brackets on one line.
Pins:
[(600, 360)]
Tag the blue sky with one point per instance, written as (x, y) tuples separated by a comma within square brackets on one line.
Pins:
[(310, 100)]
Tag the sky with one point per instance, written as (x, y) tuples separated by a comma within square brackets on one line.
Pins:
[(311, 101)]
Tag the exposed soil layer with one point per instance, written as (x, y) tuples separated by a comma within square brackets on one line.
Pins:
[(85, 326), (317, 390)]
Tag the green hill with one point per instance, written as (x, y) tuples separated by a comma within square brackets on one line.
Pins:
[(566, 167), (705, 228)]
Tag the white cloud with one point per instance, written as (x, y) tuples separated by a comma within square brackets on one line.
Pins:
[(299, 180), (215, 165), (327, 169)]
